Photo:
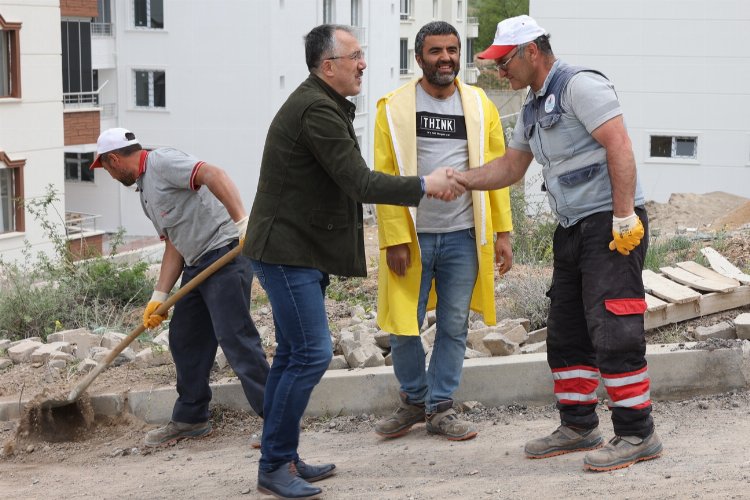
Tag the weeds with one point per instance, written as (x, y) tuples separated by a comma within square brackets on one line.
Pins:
[(532, 233), (666, 251), (43, 294)]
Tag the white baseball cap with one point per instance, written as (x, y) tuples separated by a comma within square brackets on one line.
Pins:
[(110, 140), (511, 33)]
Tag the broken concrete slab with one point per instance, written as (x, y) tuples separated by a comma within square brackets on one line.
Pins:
[(33, 339), (5, 363), (722, 330), (82, 338), (474, 354), (499, 345), (375, 359), (4, 344), (517, 334), (383, 339), (220, 361), (42, 353), (534, 348), (742, 326), (153, 356), (22, 351), (61, 356), (86, 365), (162, 338), (539, 335), (338, 363), (112, 339), (475, 337)]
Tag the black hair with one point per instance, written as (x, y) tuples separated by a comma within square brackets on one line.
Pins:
[(433, 28)]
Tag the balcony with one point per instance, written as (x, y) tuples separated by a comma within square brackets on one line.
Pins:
[(84, 240), (472, 27), (75, 100), (101, 30), (361, 102), (471, 73)]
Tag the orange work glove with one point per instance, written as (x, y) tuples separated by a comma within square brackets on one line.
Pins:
[(627, 233), (241, 226), (151, 320)]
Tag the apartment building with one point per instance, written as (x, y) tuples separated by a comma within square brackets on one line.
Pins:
[(31, 121)]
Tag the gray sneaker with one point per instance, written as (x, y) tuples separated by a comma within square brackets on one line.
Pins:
[(401, 421), (623, 451), (446, 423), (563, 440), (174, 431)]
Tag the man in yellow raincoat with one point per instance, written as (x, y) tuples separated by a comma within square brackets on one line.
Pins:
[(443, 253)]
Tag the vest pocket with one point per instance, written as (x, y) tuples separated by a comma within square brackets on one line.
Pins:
[(580, 175)]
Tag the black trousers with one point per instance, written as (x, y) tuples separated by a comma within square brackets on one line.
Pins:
[(216, 314), (585, 330)]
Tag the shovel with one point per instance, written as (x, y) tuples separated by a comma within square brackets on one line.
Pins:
[(162, 310)]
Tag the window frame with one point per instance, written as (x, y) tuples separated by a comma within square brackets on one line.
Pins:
[(673, 158), (149, 19), (12, 30), (151, 89), (403, 56), (329, 11), (406, 10), (17, 168), (79, 163)]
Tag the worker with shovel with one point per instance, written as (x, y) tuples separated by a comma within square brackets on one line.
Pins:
[(197, 211)]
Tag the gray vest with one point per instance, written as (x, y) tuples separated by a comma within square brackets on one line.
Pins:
[(574, 164)]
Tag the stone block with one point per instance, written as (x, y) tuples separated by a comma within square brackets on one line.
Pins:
[(383, 339), (722, 330), (428, 336), (338, 363), (389, 360), (220, 361), (33, 339), (61, 356), (110, 340), (431, 317), (4, 344), (475, 337), (539, 335), (154, 356), (742, 326), (22, 351), (126, 356), (57, 364), (517, 334), (356, 358), (42, 353), (162, 338), (533, 348), (5, 363), (86, 365), (375, 359), (82, 338), (477, 325), (474, 354), (499, 345)]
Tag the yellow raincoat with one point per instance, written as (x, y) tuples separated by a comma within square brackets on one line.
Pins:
[(396, 154)]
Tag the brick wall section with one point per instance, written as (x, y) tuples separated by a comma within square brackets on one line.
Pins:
[(78, 8), (85, 248), (81, 127)]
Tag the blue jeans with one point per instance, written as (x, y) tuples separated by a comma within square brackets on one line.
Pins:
[(451, 259), (303, 354), (215, 314)]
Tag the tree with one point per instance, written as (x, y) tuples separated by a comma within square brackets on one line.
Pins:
[(491, 12)]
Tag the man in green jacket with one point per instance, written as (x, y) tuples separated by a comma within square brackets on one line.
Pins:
[(306, 223)]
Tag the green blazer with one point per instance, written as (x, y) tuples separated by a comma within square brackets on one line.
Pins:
[(313, 180)]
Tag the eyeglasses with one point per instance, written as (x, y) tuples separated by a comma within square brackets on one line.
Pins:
[(357, 55), (504, 65)]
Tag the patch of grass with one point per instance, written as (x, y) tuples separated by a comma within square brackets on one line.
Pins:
[(352, 291), (666, 251)]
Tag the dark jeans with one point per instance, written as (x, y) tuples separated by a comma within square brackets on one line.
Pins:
[(582, 332), (303, 354), (216, 313)]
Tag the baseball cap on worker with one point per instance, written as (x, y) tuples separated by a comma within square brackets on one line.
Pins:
[(110, 140), (511, 33)]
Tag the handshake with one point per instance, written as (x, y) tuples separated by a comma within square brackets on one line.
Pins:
[(445, 184)]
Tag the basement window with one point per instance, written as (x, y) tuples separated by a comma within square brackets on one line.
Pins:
[(667, 146)]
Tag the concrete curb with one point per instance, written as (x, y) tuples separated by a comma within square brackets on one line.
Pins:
[(675, 373)]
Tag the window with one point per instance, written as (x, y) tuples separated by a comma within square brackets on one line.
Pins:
[(404, 56), (149, 14), (11, 192), (327, 11), (150, 89), (469, 50), (405, 9), (666, 146), (78, 76), (434, 9), (460, 10), (10, 59), (356, 12), (101, 25), (77, 167)]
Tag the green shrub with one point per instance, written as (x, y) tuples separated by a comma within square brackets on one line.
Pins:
[(532, 233), (43, 294)]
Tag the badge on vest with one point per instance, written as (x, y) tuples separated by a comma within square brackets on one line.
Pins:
[(549, 104)]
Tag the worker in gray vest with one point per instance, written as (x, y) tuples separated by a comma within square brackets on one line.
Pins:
[(572, 124)]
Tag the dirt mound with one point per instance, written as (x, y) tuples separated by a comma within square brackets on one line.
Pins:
[(704, 212)]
